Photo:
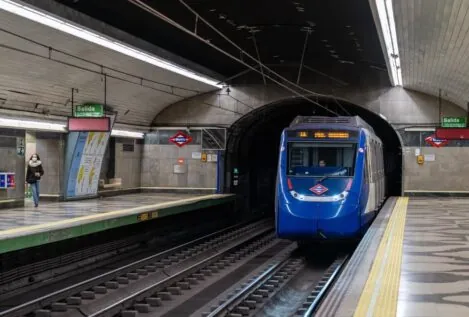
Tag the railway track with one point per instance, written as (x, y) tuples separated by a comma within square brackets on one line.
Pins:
[(251, 299), (234, 272), (108, 293)]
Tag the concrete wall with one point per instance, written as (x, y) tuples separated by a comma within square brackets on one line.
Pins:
[(449, 171), (445, 171), (396, 104), (158, 166), (50, 147), (401, 107), (10, 161), (129, 164)]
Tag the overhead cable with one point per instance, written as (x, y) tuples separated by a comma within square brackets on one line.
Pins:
[(177, 25), (258, 61)]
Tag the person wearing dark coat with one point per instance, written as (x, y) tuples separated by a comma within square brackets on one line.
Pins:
[(33, 176)]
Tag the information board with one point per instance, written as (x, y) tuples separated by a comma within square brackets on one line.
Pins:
[(88, 111), (453, 122), (11, 180), (3, 181), (86, 161), (7, 180), (88, 124)]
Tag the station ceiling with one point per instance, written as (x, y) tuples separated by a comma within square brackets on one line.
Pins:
[(39, 67), (341, 40), (433, 38), (341, 33)]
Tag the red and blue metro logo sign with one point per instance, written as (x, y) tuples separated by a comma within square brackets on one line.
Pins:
[(319, 189), (180, 139), (433, 141)]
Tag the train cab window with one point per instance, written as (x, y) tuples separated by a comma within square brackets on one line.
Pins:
[(321, 159)]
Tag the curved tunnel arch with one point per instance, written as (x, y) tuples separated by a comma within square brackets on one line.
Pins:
[(253, 142)]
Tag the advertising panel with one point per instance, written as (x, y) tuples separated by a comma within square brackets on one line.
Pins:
[(85, 162)]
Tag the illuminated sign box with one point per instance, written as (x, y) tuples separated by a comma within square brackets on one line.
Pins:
[(3, 181), (7, 180), (88, 110), (452, 133), (89, 124), (324, 134)]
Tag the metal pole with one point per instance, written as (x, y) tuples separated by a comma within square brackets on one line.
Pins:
[(73, 90), (467, 115), (302, 58), (105, 90), (439, 106)]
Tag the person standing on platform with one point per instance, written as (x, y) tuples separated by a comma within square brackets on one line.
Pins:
[(33, 176)]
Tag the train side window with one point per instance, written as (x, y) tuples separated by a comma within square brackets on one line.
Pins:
[(371, 162), (367, 176), (381, 160), (368, 158), (372, 158), (375, 161)]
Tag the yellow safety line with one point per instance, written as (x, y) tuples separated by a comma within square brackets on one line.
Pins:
[(434, 191), (381, 291), (146, 208)]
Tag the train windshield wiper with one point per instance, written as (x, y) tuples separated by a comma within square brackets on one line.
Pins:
[(325, 177), (338, 172)]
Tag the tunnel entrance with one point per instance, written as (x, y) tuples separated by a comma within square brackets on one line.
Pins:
[(253, 145)]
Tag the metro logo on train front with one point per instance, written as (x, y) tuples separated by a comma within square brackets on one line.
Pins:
[(319, 189)]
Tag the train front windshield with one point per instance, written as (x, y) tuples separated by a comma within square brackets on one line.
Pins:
[(315, 159)]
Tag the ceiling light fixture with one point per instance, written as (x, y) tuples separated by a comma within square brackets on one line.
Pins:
[(88, 35), (32, 125), (388, 26), (127, 134), (57, 127)]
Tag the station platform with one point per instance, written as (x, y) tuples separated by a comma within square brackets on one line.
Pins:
[(28, 226), (413, 261)]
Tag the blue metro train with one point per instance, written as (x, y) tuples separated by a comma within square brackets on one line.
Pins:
[(330, 179)]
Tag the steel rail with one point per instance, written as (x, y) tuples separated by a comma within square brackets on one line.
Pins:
[(321, 295), (73, 289), (249, 288), (128, 301)]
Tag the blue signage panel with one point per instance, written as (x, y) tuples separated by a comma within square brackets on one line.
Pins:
[(3, 180), (11, 180)]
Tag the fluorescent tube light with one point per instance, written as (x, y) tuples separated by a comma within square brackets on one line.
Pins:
[(417, 129), (388, 26), (127, 134), (80, 32), (58, 127), (32, 125)]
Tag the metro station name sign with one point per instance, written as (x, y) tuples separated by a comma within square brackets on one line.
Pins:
[(453, 122), (89, 111), (433, 141), (180, 139)]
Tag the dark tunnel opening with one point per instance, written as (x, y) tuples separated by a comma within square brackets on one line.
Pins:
[(252, 149)]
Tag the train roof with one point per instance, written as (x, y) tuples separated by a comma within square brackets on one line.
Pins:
[(355, 121)]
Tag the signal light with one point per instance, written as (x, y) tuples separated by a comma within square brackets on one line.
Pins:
[(290, 185)]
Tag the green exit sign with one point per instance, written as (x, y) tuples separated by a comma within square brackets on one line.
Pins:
[(453, 122), (88, 110)]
